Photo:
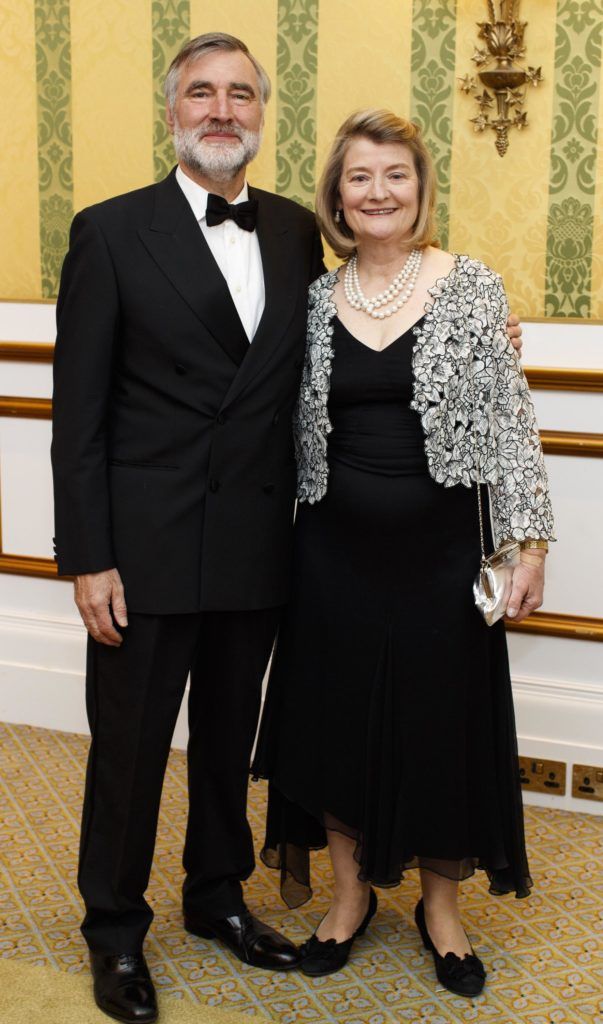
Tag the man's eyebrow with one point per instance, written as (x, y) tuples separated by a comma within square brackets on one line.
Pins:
[(199, 84), (245, 86)]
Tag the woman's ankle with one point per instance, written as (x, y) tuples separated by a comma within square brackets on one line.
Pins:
[(356, 893)]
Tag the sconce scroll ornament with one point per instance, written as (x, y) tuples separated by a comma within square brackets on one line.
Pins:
[(501, 103)]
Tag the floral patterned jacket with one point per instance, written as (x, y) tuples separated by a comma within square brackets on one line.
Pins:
[(469, 389)]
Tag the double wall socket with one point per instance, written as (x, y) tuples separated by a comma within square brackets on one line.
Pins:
[(587, 782), (539, 776)]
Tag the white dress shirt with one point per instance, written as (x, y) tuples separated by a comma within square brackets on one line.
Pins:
[(237, 253)]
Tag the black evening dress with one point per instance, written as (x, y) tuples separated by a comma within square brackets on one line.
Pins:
[(389, 712)]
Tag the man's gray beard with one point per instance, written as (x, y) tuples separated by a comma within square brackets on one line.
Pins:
[(222, 163)]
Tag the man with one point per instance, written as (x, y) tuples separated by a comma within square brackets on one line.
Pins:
[(181, 324)]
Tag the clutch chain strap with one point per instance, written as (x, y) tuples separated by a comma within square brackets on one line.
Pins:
[(477, 469)]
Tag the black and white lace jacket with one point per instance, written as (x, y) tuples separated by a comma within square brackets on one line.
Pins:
[(469, 389)]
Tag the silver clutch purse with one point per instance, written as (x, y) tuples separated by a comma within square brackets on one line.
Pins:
[(492, 586)]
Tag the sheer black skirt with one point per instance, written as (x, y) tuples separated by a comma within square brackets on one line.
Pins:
[(389, 712)]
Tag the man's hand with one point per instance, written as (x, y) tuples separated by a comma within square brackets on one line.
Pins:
[(96, 595), (514, 332)]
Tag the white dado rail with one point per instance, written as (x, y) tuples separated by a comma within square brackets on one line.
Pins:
[(556, 658)]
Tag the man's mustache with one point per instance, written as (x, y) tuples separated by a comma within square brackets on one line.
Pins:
[(220, 129)]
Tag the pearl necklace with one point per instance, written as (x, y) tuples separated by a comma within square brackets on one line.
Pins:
[(404, 283)]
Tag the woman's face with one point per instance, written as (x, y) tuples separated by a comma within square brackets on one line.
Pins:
[(379, 191)]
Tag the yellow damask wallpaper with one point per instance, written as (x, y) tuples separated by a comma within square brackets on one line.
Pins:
[(83, 120)]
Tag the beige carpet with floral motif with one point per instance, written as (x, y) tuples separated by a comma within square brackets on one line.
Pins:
[(43, 995), (544, 954)]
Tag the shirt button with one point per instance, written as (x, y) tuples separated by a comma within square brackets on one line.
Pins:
[(231, 241), (221, 419), (214, 485), (238, 289)]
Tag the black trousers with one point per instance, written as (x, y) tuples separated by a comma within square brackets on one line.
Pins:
[(133, 695)]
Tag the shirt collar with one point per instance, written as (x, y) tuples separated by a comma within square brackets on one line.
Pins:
[(197, 195)]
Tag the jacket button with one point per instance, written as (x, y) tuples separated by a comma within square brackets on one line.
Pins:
[(214, 485), (276, 418), (221, 419), (180, 369), (268, 488)]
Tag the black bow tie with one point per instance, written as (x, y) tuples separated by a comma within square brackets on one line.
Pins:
[(244, 215)]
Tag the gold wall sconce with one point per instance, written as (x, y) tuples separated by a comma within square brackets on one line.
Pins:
[(501, 102)]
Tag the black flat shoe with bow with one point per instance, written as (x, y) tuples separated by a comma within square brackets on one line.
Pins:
[(320, 958), (465, 976)]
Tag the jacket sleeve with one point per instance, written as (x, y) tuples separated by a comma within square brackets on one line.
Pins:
[(311, 424), (87, 324), (521, 504)]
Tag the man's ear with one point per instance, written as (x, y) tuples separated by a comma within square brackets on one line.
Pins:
[(169, 116)]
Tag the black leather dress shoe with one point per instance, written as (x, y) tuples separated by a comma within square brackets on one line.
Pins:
[(464, 976), (123, 988), (248, 938), (320, 958)]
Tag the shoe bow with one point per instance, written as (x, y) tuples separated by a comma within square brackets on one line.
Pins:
[(314, 945), (469, 966)]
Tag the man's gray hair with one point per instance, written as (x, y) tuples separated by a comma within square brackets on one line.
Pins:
[(207, 43)]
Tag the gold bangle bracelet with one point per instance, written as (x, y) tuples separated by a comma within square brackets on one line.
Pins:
[(526, 545)]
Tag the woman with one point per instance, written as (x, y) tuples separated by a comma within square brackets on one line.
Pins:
[(389, 729)]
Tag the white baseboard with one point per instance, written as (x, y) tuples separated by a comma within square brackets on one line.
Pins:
[(42, 684)]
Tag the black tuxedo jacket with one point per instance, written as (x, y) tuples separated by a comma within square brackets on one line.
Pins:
[(172, 446)]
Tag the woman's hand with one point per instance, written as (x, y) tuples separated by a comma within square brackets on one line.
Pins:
[(514, 332), (528, 585)]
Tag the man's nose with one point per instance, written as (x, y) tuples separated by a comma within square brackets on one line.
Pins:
[(220, 108)]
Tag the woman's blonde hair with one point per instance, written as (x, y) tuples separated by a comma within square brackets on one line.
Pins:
[(379, 126)]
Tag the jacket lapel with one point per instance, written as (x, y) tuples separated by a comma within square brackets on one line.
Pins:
[(280, 284), (176, 243)]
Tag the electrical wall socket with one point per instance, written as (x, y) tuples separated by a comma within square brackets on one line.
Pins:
[(587, 782), (539, 776)]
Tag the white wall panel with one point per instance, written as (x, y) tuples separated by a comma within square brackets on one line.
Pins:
[(26, 487), (27, 321), (548, 659), (26, 380), (575, 565), (577, 345), (40, 599), (569, 410)]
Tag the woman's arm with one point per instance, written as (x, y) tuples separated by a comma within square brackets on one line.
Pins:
[(310, 418), (520, 498), (521, 503)]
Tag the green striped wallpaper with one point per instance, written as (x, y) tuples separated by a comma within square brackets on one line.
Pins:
[(566, 280)]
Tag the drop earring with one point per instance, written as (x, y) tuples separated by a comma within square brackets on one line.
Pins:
[(337, 216)]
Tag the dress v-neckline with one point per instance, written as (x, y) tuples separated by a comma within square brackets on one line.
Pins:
[(378, 351)]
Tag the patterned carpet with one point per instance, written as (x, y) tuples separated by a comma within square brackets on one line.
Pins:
[(544, 954)]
